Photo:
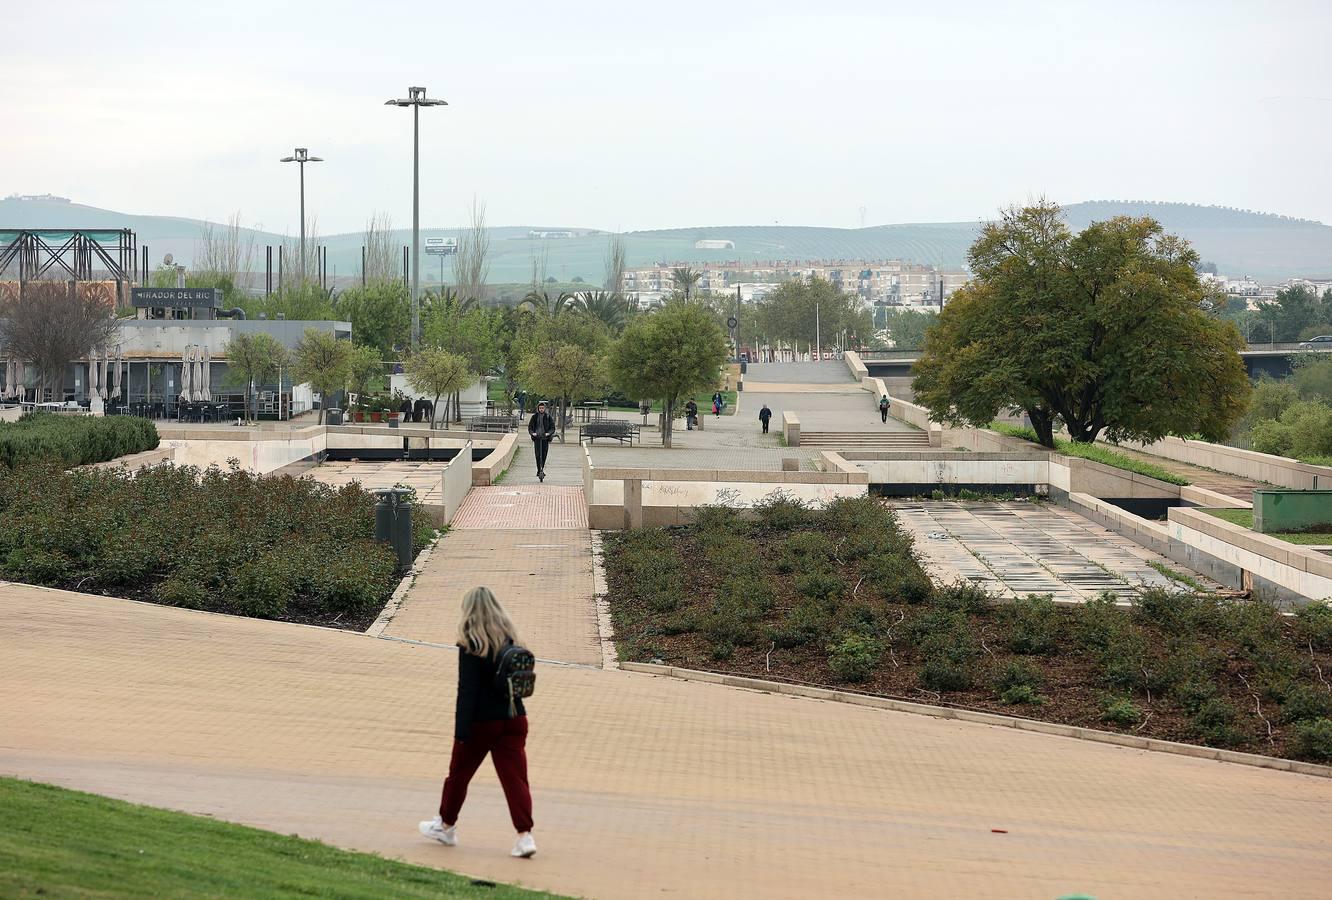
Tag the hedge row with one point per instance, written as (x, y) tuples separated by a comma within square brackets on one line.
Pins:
[(225, 541), (73, 440)]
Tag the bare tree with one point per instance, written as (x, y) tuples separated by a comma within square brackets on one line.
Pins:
[(471, 264), (226, 251), (615, 264), (291, 255), (540, 263), (52, 323), (383, 257)]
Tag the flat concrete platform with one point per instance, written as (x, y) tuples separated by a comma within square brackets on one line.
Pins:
[(1018, 548), (644, 786)]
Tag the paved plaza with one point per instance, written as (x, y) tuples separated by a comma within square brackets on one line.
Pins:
[(1015, 549), (644, 786)]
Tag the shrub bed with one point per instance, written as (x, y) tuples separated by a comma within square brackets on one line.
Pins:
[(73, 440), (224, 541), (835, 597), (1096, 453)]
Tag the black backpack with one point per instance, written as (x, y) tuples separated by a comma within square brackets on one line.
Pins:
[(515, 675)]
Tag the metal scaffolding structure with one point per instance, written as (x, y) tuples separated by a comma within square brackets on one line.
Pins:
[(78, 254)]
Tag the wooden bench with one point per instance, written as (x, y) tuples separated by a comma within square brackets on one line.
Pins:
[(493, 423), (622, 431)]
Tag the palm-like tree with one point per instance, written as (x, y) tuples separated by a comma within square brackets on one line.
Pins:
[(448, 301), (685, 279), (609, 307), (542, 302)]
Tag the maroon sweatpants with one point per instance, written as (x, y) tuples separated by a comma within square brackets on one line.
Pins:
[(505, 741)]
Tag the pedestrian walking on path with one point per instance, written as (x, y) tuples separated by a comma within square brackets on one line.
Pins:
[(541, 428), (489, 719), (691, 414), (883, 409), (764, 415), (717, 403)]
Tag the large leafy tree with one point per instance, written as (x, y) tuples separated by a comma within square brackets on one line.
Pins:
[(668, 354), (609, 308), (253, 359), (472, 334), (439, 373), (1100, 332), (1294, 310), (322, 360), (380, 316), (561, 357), (52, 323), (798, 312)]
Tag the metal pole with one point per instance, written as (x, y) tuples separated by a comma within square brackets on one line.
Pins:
[(301, 163), (818, 336), (416, 225)]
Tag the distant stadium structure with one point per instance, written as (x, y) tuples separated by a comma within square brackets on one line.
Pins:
[(714, 245), (547, 235)]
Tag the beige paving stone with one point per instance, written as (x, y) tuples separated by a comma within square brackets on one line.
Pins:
[(643, 786), (542, 576)]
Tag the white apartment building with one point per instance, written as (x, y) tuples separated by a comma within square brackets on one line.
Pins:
[(896, 282)]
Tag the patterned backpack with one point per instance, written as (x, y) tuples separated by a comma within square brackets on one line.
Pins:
[(515, 675)]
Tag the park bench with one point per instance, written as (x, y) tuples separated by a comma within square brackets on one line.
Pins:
[(493, 423), (622, 431)]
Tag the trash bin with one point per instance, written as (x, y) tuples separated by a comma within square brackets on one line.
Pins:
[(393, 523), (333, 416)]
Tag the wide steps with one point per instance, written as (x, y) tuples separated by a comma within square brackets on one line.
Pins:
[(889, 440)]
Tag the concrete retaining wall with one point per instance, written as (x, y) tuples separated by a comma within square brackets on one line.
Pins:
[(1247, 560), (791, 429), (1245, 463), (911, 472), (488, 470), (457, 481)]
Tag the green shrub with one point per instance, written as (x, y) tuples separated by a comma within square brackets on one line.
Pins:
[(1033, 624), (803, 551), (779, 511), (857, 515), (1017, 673), (1123, 661), (1021, 693), (962, 596), (68, 441), (1120, 711), (939, 672), (1303, 703), (722, 650), (820, 585), (854, 657), (1180, 613), (803, 624), (898, 578), (1185, 662), (263, 588), (1313, 740), (681, 623), (731, 621), (715, 517), (1214, 722), (1314, 625)]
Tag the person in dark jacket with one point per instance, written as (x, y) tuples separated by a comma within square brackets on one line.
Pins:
[(883, 408), (765, 415), (691, 414), (718, 402), (485, 722), (541, 428), (406, 409)]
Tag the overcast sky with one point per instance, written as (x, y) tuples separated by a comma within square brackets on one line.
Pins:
[(633, 115)]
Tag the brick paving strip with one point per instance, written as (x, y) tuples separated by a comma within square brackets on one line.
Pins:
[(643, 785)]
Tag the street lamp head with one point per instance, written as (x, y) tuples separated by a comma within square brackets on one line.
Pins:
[(415, 97)]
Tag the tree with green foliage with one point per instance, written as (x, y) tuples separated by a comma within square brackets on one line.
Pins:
[(668, 354), (380, 316), (364, 370), (1293, 312), (609, 308), (1099, 332), (253, 358), (799, 312), (295, 302), (472, 334), (685, 280), (322, 360), (439, 373), (1302, 431), (546, 304), (906, 327), (560, 357)]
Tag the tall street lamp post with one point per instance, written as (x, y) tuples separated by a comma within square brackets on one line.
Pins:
[(302, 156), (416, 99)]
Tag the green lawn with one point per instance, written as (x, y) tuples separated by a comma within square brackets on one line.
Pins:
[(60, 843), (1244, 519), (1095, 453)]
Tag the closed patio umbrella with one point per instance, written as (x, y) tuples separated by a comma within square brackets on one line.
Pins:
[(185, 375), (104, 375), (8, 393), (207, 383), (196, 379), (115, 372), (92, 373)]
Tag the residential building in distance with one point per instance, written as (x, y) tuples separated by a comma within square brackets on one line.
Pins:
[(893, 282)]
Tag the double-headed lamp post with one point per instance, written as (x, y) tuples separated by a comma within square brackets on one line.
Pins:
[(302, 156), (416, 99)]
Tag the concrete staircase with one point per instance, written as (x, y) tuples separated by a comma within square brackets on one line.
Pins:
[(866, 440)]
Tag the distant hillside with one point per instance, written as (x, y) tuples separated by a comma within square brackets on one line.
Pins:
[(1240, 242)]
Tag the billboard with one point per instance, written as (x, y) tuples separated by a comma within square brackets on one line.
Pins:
[(176, 298)]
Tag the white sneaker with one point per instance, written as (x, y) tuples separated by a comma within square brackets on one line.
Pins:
[(436, 830), (525, 848)]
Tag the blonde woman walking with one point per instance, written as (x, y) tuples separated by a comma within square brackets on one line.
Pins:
[(494, 675)]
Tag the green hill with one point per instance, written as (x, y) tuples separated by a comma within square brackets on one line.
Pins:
[(1241, 242)]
